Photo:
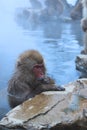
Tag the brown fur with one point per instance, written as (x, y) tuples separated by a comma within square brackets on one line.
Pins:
[(84, 25), (23, 84), (85, 44), (76, 12), (54, 7)]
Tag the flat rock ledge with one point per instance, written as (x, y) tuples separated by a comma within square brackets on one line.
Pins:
[(81, 63), (51, 110)]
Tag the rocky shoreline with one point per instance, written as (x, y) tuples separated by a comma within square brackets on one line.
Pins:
[(51, 110)]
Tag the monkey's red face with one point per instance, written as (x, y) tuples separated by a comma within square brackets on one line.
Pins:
[(38, 71)]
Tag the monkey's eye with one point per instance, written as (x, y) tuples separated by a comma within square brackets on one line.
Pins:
[(38, 66)]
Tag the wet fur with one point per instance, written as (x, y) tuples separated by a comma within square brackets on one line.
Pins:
[(84, 25), (23, 84)]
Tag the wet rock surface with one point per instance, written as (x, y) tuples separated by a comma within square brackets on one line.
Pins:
[(51, 110)]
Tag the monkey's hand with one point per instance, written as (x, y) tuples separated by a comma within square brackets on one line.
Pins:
[(61, 88), (51, 87), (46, 80)]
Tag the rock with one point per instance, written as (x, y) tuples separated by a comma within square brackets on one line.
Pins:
[(51, 110), (83, 93), (81, 63)]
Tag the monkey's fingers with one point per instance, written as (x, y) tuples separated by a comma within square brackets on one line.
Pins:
[(61, 88)]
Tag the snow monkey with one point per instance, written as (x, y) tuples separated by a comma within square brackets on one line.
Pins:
[(29, 78), (84, 25), (76, 12)]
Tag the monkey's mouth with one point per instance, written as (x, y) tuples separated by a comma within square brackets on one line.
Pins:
[(40, 76)]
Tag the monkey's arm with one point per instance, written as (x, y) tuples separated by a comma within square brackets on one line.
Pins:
[(18, 92), (49, 85), (52, 87)]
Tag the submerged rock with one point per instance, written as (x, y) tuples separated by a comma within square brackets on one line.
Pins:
[(51, 110)]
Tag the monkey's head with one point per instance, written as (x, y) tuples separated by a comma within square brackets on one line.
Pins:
[(31, 62)]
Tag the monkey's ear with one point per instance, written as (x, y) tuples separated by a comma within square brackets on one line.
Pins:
[(18, 63)]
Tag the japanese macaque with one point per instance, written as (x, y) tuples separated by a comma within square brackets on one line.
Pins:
[(52, 11), (76, 12), (54, 7), (84, 25), (29, 78)]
